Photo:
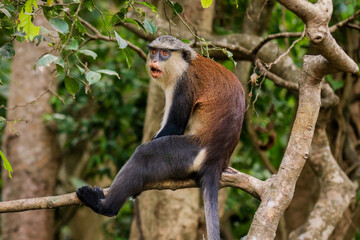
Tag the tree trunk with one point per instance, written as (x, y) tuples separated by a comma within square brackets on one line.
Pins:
[(30, 144)]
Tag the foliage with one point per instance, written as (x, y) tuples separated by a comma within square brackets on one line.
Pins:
[(6, 164), (206, 3)]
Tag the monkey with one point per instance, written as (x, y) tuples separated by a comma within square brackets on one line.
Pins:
[(201, 126)]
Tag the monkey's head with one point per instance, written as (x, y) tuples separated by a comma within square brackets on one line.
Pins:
[(168, 59)]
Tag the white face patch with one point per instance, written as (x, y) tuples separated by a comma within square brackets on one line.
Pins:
[(198, 161), (171, 69), (169, 93)]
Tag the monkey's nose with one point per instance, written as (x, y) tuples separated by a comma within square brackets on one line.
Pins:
[(154, 64)]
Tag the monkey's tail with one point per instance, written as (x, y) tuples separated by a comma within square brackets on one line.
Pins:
[(210, 188)]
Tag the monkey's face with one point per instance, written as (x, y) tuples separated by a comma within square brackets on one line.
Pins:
[(165, 65), (157, 59)]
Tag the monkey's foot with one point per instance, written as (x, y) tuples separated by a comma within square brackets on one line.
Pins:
[(91, 197)]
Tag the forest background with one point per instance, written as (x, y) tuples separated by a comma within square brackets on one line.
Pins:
[(75, 102)]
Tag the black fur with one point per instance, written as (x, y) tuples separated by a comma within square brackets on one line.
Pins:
[(168, 157), (180, 109)]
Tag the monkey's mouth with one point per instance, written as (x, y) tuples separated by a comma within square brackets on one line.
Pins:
[(155, 72)]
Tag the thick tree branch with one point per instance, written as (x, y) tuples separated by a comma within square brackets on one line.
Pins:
[(281, 186), (316, 17), (336, 191), (229, 178)]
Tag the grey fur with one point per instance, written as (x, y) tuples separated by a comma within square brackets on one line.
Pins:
[(173, 44)]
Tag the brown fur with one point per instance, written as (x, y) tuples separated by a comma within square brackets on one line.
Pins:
[(219, 106)]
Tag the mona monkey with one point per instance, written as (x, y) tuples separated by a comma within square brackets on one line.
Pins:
[(203, 116)]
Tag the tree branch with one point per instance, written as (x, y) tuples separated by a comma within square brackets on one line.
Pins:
[(336, 193), (229, 178), (316, 18), (99, 36), (281, 186), (344, 22)]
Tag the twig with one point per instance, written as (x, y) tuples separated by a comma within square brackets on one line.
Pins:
[(262, 8), (255, 140), (102, 16), (278, 81), (256, 49), (34, 100), (27, 103), (346, 21), (354, 26), (72, 25), (288, 50), (57, 95), (333, 28), (99, 36)]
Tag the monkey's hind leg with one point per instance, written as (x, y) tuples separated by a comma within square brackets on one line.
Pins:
[(91, 197), (169, 157)]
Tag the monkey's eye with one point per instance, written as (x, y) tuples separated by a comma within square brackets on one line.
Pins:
[(153, 51), (165, 53)]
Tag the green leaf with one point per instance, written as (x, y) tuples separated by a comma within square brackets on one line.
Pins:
[(6, 164), (119, 16), (89, 53), (128, 57), (7, 50), (11, 8), (80, 27), (206, 3), (2, 122), (178, 8), (26, 24), (141, 25), (60, 62), (150, 5), (92, 77), (122, 43), (130, 20), (6, 12), (170, 2), (59, 25), (73, 45), (229, 54), (50, 2), (46, 60), (72, 86), (82, 71), (109, 72), (149, 25), (185, 41)]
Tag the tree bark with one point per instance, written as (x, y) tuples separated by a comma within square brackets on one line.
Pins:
[(30, 144)]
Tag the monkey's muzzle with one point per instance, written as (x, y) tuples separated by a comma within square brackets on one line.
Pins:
[(155, 72)]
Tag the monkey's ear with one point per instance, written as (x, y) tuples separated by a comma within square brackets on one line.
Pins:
[(186, 55)]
